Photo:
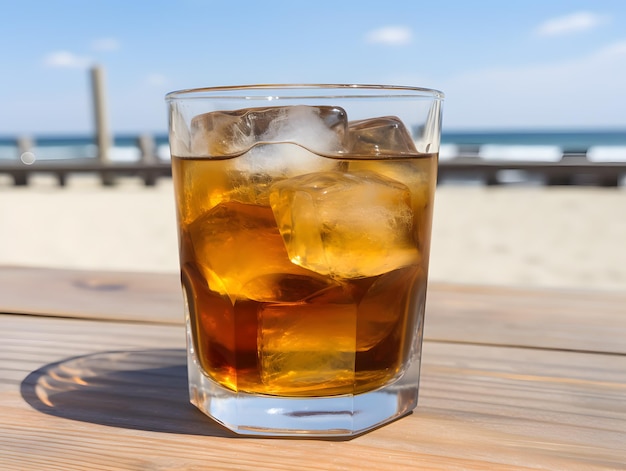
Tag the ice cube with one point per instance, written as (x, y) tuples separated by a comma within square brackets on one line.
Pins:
[(252, 188), (414, 173), (270, 143), (387, 136), (305, 346), (242, 255), (231, 133), (380, 310), (379, 136), (346, 225)]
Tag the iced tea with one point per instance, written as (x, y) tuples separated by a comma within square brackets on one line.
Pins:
[(304, 256)]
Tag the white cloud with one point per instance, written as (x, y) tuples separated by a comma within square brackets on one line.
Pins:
[(573, 23), (67, 60), (613, 50), (156, 80), (105, 44), (390, 35)]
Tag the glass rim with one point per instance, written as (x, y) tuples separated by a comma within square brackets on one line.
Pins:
[(255, 92)]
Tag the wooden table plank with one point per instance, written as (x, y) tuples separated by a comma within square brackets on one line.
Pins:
[(558, 319), (542, 318), (112, 395), (125, 296)]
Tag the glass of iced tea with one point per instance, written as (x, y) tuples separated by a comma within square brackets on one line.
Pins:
[(304, 216)]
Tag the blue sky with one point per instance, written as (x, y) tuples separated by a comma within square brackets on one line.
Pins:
[(556, 64)]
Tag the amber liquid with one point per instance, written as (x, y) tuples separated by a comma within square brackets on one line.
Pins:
[(263, 324)]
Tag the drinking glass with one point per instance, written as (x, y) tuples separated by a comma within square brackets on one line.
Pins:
[(304, 220)]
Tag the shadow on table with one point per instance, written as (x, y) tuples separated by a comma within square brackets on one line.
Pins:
[(144, 390)]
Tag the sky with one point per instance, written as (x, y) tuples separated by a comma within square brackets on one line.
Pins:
[(536, 64)]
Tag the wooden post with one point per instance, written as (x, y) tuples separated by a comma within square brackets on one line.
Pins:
[(24, 144), (103, 137), (147, 146), (148, 158)]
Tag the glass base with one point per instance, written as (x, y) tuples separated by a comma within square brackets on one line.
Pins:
[(345, 415)]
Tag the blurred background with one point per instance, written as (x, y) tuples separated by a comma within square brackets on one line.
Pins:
[(531, 73)]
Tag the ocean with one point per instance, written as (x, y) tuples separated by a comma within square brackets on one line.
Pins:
[(124, 149), (568, 141), (125, 146)]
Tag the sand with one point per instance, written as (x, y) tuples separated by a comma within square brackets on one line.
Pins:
[(561, 237)]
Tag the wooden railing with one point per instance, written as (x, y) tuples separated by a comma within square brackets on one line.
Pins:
[(467, 163), (571, 169), (149, 167)]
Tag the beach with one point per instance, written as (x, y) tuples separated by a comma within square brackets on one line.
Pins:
[(530, 236)]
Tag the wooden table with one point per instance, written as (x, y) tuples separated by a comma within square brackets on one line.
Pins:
[(92, 376)]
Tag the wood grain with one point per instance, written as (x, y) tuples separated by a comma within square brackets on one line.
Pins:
[(559, 319), (125, 296), (93, 376), (542, 318), (76, 393)]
